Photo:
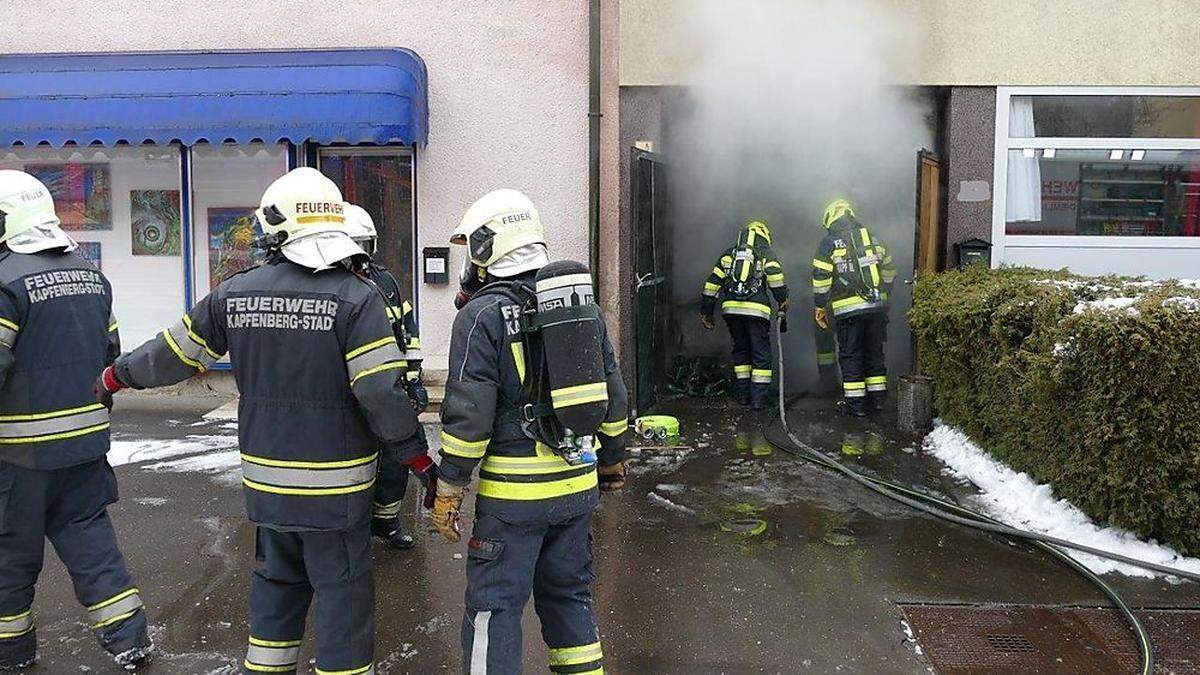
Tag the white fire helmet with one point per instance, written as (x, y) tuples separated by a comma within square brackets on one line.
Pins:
[(361, 227), (307, 207), (28, 222), (503, 234)]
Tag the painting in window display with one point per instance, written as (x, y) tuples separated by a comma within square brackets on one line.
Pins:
[(82, 193), (231, 233), (155, 217)]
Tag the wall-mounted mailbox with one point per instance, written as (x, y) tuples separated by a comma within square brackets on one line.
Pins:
[(974, 251), (435, 263)]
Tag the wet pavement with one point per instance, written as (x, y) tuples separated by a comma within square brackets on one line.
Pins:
[(723, 556)]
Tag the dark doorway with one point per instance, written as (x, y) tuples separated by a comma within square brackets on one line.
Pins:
[(653, 286)]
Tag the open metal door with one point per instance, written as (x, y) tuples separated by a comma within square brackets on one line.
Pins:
[(652, 291)]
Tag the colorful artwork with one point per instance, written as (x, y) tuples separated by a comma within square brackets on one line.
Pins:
[(155, 217), (231, 232), (82, 193), (89, 251)]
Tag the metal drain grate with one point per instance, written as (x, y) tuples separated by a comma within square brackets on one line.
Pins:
[(1011, 644), (966, 640)]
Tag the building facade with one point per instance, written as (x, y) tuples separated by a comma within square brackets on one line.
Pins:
[(494, 96)]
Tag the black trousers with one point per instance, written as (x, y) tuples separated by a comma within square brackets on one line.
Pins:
[(335, 566), (70, 508), (751, 358), (860, 340)]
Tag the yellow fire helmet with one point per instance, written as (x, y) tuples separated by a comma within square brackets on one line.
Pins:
[(836, 209), (756, 228), (308, 208), (503, 234)]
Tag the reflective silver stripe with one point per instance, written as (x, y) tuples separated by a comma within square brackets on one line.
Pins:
[(182, 336), (746, 311), (386, 510), (776, 284), (845, 309), (877, 387), (388, 351), (761, 377), (102, 616), (413, 354), (273, 656), (17, 625), (855, 393), (479, 648), (8, 336), (308, 477), (32, 429)]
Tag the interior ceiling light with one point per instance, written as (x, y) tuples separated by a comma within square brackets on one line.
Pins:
[(1138, 155), (1116, 154)]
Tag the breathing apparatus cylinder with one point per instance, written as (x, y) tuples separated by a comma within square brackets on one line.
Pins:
[(568, 321)]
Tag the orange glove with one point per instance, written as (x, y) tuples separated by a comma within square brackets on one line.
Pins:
[(446, 505), (612, 478), (821, 317)]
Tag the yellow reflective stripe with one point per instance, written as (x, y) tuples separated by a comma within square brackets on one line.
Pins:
[(532, 491), (854, 385), (775, 277), (308, 492), (369, 346), (536, 465), (378, 369), (822, 283), (8, 324), (322, 218), (14, 617), (573, 656), (395, 313), (355, 671), (518, 354), (579, 394), (170, 340), (195, 337), (822, 265), (456, 446), (56, 437), (615, 428), (342, 464), (274, 643), (710, 286), (48, 415), (405, 307), (746, 308), (267, 669), (839, 252), (112, 326), (720, 273), (866, 236), (852, 300)]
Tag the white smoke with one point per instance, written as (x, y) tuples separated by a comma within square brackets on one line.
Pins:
[(789, 105)]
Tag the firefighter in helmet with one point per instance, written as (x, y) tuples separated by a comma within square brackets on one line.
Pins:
[(535, 400), (393, 476), (745, 279), (56, 325), (322, 399), (852, 278)]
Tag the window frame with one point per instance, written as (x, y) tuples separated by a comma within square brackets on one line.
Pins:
[(1004, 143)]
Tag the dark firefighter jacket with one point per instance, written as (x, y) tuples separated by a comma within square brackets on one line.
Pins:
[(56, 334), (481, 418), (718, 285), (320, 376), (852, 272), (404, 319)]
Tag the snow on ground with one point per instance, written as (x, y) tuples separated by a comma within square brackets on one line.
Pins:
[(1111, 305), (1015, 499), (133, 452), (224, 464)]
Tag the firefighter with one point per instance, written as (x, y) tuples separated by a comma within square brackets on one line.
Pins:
[(393, 476), (852, 278), (56, 332), (745, 279), (322, 397), (534, 508)]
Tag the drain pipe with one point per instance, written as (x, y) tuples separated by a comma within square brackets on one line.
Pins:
[(594, 141)]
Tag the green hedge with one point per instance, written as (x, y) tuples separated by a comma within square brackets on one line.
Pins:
[(1099, 398)]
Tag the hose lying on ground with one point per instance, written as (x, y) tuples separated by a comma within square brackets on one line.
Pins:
[(954, 513)]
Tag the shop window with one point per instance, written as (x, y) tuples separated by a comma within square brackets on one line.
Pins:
[(227, 183), (381, 181), (1105, 117), (123, 207), (1103, 192)]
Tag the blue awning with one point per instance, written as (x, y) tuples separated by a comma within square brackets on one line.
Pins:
[(351, 96)]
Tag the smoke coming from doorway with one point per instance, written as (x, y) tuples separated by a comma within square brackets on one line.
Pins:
[(789, 105)]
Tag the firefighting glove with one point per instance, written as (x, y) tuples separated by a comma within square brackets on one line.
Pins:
[(785, 305), (446, 505), (612, 477), (707, 321), (821, 316), (106, 385), (418, 396)]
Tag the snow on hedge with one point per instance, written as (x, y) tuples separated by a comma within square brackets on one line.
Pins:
[(1015, 499)]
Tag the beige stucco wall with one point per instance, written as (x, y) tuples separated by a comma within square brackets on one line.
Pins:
[(981, 42), (508, 92)]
